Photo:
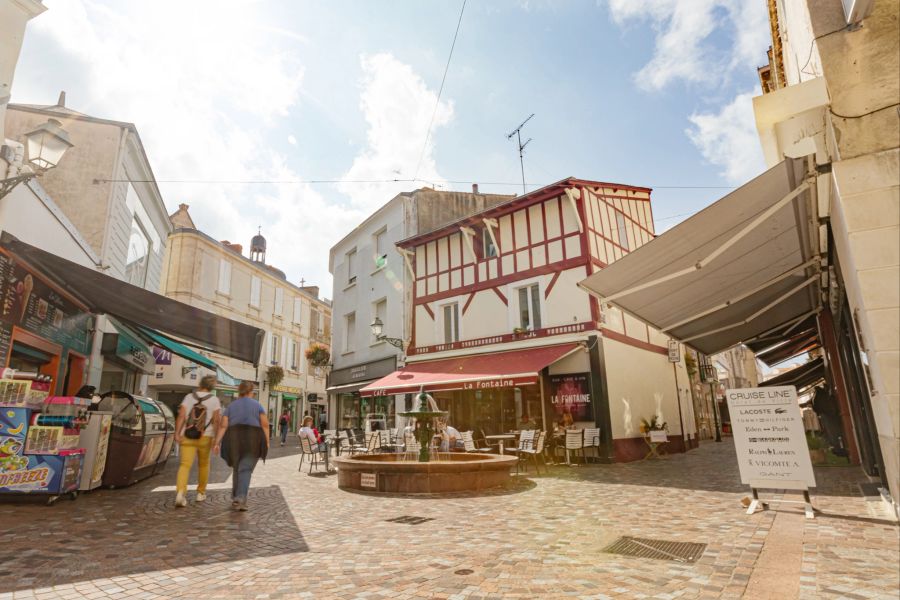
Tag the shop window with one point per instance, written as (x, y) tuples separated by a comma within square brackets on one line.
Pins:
[(292, 356), (530, 307), (379, 311), (143, 240), (488, 247), (298, 311), (279, 302), (351, 266), (274, 349), (381, 248), (314, 328), (349, 332), (451, 323), (138, 255), (224, 285), (255, 285), (623, 231)]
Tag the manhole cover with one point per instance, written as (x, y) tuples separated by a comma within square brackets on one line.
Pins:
[(686, 552), (464, 572), (409, 520)]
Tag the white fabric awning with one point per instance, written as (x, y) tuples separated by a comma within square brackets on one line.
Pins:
[(745, 264)]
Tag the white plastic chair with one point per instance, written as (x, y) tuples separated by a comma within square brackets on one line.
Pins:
[(574, 443), (592, 440)]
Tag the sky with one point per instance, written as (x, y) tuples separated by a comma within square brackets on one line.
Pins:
[(279, 113)]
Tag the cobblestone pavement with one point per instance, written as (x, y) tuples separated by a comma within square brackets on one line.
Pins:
[(542, 538)]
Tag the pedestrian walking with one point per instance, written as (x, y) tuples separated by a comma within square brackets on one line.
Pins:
[(195, 429), (283, 423), (242, 441)]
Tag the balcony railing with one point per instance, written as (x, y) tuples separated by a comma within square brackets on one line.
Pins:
[(505, 338)]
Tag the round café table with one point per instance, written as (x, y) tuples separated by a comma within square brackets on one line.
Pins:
[(500, 438)]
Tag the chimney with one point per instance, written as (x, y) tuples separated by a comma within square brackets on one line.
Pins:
[(474, 188), (62, 99)]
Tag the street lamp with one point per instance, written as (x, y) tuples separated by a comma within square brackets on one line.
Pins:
[(378, 329), (45, 147)]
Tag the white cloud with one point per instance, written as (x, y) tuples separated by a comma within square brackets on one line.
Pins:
[(397, 106), (728, 139), (683, 28), (708, 43), (208, 84)]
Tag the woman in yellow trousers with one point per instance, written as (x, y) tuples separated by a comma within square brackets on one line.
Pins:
[(195, 430)]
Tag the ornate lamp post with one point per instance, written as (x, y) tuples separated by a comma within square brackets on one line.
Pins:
[(377, 331), (45, 147)]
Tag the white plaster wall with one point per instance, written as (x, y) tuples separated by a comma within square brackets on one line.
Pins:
[(865, 217), (801, 55), (371, 284), (640, 384), (29, 214)]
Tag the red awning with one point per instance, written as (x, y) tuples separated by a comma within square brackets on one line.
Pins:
[(473, 372)]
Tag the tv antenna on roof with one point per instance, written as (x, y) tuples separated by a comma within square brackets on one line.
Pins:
[(518, 133)]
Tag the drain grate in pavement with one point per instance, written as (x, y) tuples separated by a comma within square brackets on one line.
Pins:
[(870, 489), (686, 552), (409, 520)]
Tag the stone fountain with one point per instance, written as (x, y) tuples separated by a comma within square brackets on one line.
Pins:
[(451, 472), (424, 419)]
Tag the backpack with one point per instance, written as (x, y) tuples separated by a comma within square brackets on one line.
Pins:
[(196, 422)]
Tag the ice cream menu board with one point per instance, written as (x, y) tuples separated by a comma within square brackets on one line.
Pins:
[(769, 438), (26, 301)]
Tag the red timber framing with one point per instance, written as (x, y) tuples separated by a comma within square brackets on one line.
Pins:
[(537, 234)]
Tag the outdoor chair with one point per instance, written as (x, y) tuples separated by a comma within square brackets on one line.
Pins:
[(356, 446), (526, 442), (574, 443), (343, 443), (533, 453), (469, 442), (384, 441), (479, 445), (306, 450), (373, 442), (483, 442), (592, 440)]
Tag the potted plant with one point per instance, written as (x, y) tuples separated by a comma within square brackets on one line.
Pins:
[(653, 424), (816, 448), (318, 355), (274, 375)]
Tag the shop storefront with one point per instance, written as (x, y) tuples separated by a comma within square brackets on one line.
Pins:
[(46, 327), (44, 332), (286, 397), (348, 408), (495, 392), (127, 361)]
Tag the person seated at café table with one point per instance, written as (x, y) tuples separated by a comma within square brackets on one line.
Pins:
[(316, 443), (526, 424), (450, 438)]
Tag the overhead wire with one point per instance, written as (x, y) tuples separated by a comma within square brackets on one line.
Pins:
[(369, 181), (437, 102)]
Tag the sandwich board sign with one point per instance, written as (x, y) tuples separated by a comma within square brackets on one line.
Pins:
[(770, 441)]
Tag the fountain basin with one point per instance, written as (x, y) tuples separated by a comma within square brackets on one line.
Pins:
[(453, 472)]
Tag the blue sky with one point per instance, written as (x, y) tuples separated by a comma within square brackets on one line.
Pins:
[(646, 92)]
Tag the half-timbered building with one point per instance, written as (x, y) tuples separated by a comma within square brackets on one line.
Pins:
[(504, 338)]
